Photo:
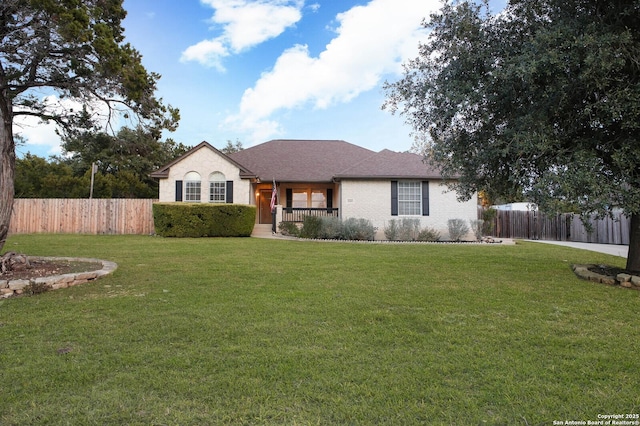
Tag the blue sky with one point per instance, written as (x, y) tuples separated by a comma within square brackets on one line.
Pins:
[(256, 70)]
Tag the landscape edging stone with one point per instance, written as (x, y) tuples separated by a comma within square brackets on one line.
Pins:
[(11, 288)]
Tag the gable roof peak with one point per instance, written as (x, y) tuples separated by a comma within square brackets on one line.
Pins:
[(163, 172)]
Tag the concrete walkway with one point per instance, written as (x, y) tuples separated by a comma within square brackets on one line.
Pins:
[(613, 249), (264, 231)]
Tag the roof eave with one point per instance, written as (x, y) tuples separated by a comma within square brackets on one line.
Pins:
[(387, 177), (160, 174)]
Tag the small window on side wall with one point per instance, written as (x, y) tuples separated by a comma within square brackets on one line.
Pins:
[(192, 187), (409, 198)]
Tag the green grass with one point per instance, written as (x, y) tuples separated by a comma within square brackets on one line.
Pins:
[(252, 331)]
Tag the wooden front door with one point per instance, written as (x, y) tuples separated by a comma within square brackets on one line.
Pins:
[(265, 206)]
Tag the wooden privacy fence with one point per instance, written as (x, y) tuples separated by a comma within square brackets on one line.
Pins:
[(534, 225), (82, 216)]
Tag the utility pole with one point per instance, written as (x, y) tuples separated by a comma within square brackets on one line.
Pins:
[(94, 169)]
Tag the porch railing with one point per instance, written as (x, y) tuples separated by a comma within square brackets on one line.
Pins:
[(297, 214)]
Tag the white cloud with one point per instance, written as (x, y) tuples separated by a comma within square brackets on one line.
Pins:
[(207, 52), (257, 130), (245, 23), (40, 136), (372, 41)]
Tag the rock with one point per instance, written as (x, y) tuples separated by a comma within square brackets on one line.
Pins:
[(609, 281), (58, 286), (622, 278), (18, 285), (86, 276)]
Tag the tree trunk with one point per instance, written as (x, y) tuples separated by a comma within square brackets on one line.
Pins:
[(633, 258), (7, 165)]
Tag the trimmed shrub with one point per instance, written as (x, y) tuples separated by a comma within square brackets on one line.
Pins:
[(330, 228), (391, 230), (203, 220), (310, 227), (428, 234), (289, 229), (358, 229), (477, 226), (409, 229), (457, 229)]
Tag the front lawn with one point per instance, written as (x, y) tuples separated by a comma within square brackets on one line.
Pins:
[(253, 331)]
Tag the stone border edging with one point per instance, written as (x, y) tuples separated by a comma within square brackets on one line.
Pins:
[(622, 280), (503, 241), (10, 288)]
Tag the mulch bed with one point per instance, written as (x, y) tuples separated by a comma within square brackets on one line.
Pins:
[(48, 267)]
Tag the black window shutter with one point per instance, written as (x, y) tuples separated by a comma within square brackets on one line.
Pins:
[(289, 199), (229, 192), (425, 198), (329, 198), (394, 198), (178, 190)]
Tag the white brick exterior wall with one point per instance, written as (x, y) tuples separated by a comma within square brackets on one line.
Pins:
[(205, 161), (371, 199)]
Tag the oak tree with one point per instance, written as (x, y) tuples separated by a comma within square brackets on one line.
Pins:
[(541, 99), (69, 49)]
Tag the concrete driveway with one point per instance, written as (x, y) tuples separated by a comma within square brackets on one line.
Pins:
[(613, 249)]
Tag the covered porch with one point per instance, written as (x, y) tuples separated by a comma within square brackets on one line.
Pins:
[(296, 200)]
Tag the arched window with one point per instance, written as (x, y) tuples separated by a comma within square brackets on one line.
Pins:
[(217, 185), (192, 187)]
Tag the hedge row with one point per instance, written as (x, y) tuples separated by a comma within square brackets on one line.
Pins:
[(331, 228), (203, 220)]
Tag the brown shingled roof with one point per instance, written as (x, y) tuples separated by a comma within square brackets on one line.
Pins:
[(390, 164), (288, 160)]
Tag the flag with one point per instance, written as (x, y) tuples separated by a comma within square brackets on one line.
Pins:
[(273, 197)]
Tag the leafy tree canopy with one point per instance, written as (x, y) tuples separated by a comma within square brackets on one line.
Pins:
[(123, 164), (542, 99), (231, 147), (131, 151), (38, 178)]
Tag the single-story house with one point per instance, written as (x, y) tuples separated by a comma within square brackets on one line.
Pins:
[(316, 177)]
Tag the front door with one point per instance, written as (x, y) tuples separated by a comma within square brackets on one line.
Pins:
[(265, 206)]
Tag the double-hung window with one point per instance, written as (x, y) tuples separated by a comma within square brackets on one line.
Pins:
[(409, 198), (217, 186), (192, 187)]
